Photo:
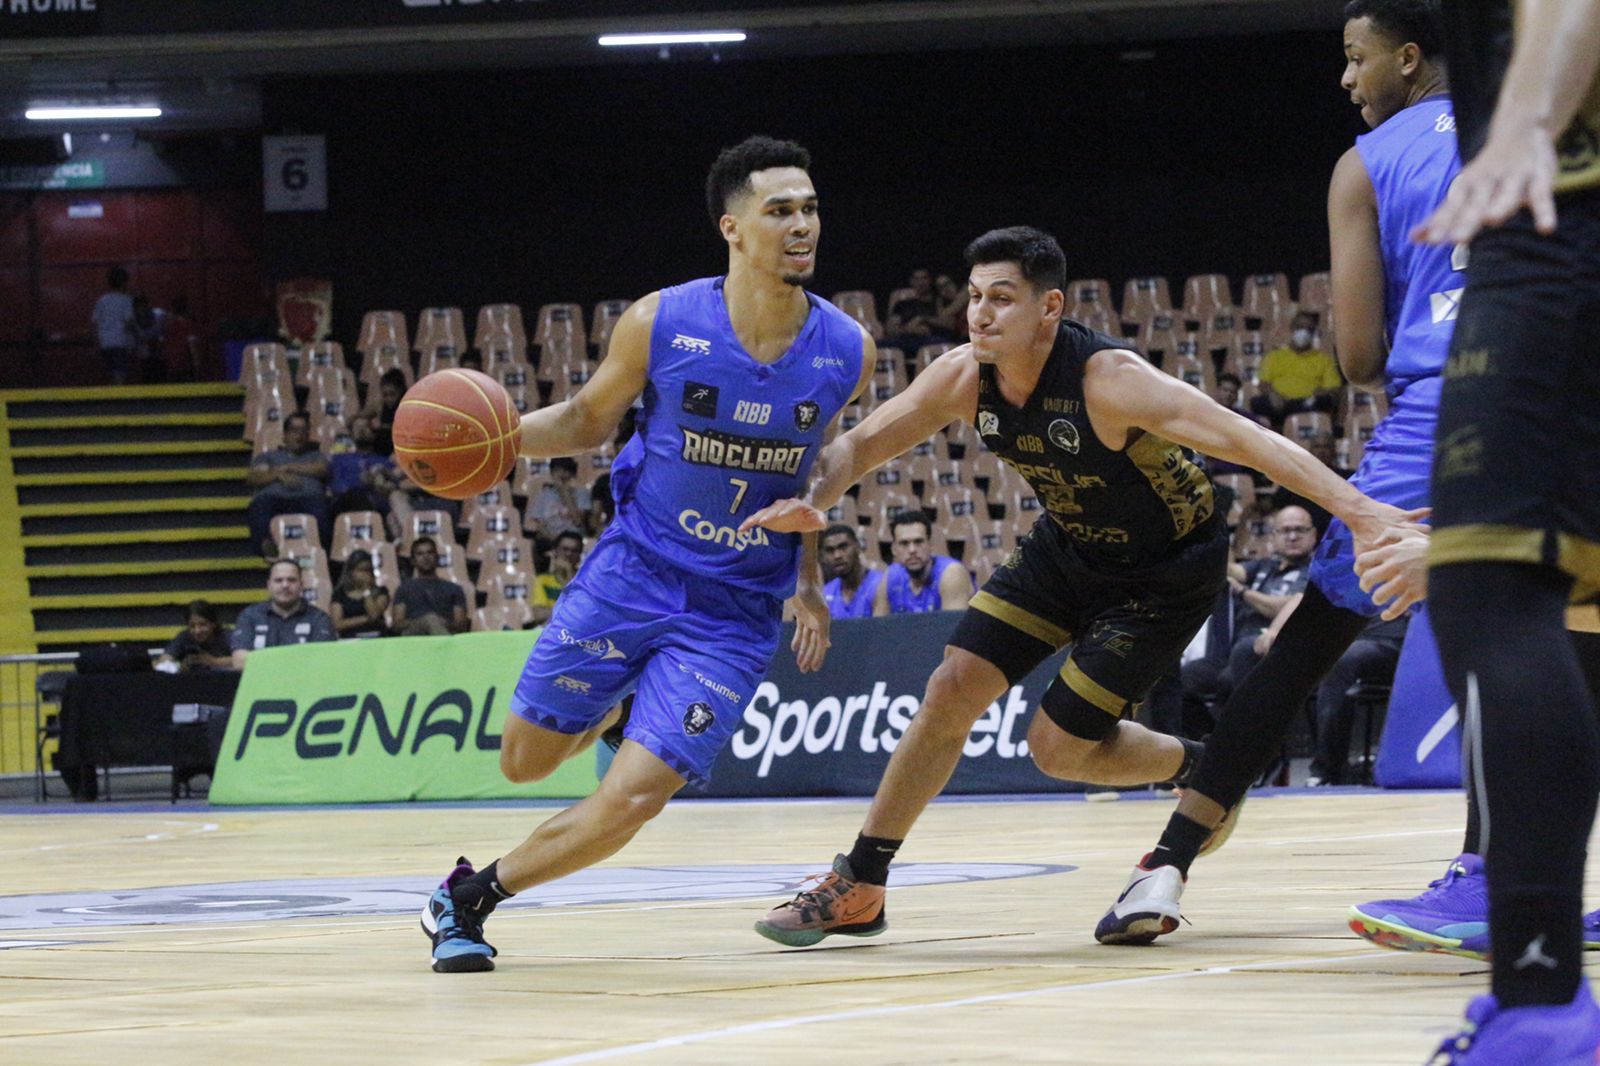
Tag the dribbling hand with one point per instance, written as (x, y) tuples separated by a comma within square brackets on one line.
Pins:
[(1394, 572), (787, 516)]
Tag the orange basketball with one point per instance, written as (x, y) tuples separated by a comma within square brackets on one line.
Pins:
[(457, 433)]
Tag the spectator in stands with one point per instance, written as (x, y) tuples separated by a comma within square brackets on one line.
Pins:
[(918, 580), (852, 587), (602, 508), (952, 299), (288, 480), (147, 342), (180, 346), (1297, 377), (561, 503), (914, 317), (202, 644), (361, 479), (358, 600), (427, 605), (381, 405), (284, 618), (1259, 590), (113, 325), (1372, 658), (565, 556), (1228, 388)]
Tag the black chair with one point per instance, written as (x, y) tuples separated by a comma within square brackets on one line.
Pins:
[(47, 689), (1371, 701)]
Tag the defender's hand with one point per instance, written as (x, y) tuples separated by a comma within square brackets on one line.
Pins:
[(787, 516), (1515, 169), (1395, 571), (811, 623)]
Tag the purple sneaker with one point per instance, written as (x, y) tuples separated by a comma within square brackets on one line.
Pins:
[(1451, 918), (1568, 1035)]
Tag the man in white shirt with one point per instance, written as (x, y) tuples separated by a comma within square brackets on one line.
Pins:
[(113, 325)]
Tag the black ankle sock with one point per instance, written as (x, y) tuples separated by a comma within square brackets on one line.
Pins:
[(870, 858), (481, 892), (1179, 844), (1542, 938), (1192, 750)]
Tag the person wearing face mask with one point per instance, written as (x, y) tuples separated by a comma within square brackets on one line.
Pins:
[(1298, 376)]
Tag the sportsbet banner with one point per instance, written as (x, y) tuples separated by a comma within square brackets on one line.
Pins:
[(409, 718), (420, 718)]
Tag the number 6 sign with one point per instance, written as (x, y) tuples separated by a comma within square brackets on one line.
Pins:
[(294, 173)]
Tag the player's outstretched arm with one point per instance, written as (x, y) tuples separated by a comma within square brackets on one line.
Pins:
[(944, 392), (1357, 274), (1124, 394), (1553, 65), (590, 418)]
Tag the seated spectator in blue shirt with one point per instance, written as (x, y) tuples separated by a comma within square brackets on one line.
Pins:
[(918, 580), (285, 617), (361, 480), (202, 644), (288, 480), (427, 605), (852, 585)]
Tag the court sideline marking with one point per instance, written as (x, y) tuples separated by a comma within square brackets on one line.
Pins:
[(701, 1037)]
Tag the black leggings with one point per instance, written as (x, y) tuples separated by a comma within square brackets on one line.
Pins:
[(1252, 723)]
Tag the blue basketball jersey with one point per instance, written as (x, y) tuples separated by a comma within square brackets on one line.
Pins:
[(903, 600), (721, 436), (1412, 159)]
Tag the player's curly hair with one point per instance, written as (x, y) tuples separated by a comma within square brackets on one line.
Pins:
[(1033, 250), (1403, 21), (730, 174)]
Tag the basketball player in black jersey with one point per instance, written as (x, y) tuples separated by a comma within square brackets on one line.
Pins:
[(1125, 561), (1516, 486)]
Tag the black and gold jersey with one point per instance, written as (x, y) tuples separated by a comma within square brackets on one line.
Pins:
[(1478, 36), (1126, 507)]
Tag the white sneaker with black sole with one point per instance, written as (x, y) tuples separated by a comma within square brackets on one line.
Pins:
[(1147, 908)]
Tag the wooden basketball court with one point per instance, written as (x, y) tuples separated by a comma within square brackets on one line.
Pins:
[(290, 937)]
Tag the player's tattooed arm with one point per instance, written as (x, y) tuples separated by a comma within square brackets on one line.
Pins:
[(1124, 395), (590, 418)]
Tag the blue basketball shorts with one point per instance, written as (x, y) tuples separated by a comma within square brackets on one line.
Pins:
[(691, 648), (1396, 469)]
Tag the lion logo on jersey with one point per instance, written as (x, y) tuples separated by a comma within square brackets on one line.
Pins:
[(1064, 435), (698, 718), (806, 413)]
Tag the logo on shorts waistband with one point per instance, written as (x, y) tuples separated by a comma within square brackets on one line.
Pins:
[(572, 684), (698, 718)]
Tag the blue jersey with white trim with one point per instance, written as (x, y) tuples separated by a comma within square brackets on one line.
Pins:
[(1412, 159), (721, 436)]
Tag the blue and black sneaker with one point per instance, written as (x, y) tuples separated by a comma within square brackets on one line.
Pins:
[(1560, 1035), (457, 935)]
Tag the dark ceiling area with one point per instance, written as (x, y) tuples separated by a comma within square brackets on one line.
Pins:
[(208, 70)]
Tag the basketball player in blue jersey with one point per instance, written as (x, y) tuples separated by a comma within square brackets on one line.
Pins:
[(1394, 306), (740, 377), (1124, 563)]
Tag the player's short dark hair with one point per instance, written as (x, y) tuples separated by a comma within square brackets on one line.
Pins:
[(836, 529), (281, 562), (1228, 375), (1403, 22), (299, 416), (730, 174), (1033, 250), (393, 376), (429, 541), (910, 517), (564, 462), (569, 534), (202, 609)]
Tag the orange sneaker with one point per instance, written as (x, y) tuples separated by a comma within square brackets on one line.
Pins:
[(838, 904)]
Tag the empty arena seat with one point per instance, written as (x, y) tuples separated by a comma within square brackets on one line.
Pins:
[(313, 357), (331, 391), (606, 315), (959, 538), (1143, 297), (527, 475), (560, 324), (1244, 356), (1303, 427), (257, 357), (435, 524), (860, 305), (293, 528), (331, 434), (383, 358), (1316, 292), (889, 377), (929, 352), (1267, 296), (954, 502), (355, 530), (1159, 335), (847, 510), (490, 522), (1204, 293), (383, 328), (497, 322), (441, 328), (507, 615), (1194, 369)]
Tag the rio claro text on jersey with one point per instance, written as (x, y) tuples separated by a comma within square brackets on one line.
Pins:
[(758, 455)]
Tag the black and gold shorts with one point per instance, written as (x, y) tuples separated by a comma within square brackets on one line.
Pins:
[(1127, 625), (1516, 474)]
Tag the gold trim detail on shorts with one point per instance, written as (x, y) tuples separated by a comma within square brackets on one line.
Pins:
[(1584, 619), (1579, 557), (1092, 690), (1017, 618), (1485, 543)]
